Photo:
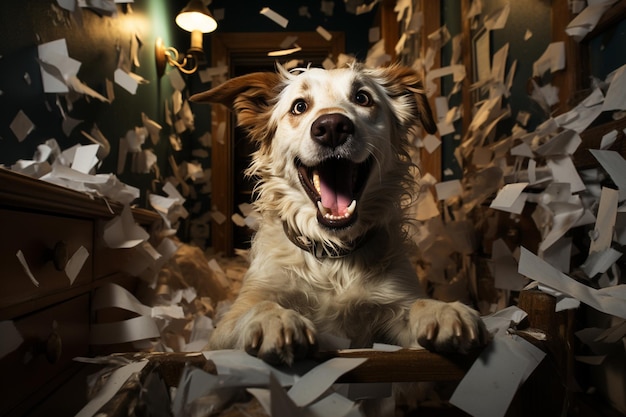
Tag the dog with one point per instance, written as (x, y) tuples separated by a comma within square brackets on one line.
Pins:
[(331, 254)]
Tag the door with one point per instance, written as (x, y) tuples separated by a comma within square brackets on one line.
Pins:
[(245, 53)]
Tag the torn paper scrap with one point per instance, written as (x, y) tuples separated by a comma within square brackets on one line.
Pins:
[(22, 259), (125, 80), (21, 126), (587, 20), (510, 198), (110, 388), (615, 99), (552, 59), (277, 18), (56, 66), (448, 189), (498, 18), (605, 220), (600, 261), (606, 300), (249, 370), (123, 232), (615, 165), (496, 375), (315, 382), (113, 295), (324, 33), (75, 263), (131, 330), (502, 320), (277, 403)]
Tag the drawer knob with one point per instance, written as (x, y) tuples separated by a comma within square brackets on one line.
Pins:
[(51, 348), (59, 255)]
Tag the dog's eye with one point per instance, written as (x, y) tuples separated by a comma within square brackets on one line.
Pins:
[(363, 98), (299, 106)]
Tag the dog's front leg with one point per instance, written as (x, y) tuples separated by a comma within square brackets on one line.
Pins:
[(267, 330), (446, 327)]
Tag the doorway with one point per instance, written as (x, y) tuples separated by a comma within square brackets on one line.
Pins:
[(244, 53)]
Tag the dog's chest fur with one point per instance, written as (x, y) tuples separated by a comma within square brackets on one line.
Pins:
[(349, 296)]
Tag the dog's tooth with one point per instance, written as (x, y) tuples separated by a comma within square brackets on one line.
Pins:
[(325, 212), (351, 207), (316, 182)]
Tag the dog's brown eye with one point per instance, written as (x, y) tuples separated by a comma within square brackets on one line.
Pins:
[(299, 107), (363, 98)]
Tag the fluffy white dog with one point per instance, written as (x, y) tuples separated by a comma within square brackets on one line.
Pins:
[(330, 255)]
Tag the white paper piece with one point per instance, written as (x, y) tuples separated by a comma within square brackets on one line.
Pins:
[(559, 254), (608, 139), (502, 320), (21, 126), (605, 221), (110, 388), (553, 59), (285, 52), (247, 369), (587, 20), (56, 66), (563, 170), (22, 259), (300, 400), (431, 143), (496, 375), (315, 382), (615, 99), (606, 300), (85, 158), (125, 80), (11, 338), (178, 83), (599, 262), (448, 189), (498, 18), (75, 263), (564, 143), (277, 18), (112, 295), (78, 86), (510, 198), (324, 33), (138, 328), (123, 232), (581, 116), (615, 166)]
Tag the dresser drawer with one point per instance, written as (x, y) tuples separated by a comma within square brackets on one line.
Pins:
[(28, 369), (36, 235)]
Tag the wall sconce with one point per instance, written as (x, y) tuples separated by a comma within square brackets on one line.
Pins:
[(194, 18)]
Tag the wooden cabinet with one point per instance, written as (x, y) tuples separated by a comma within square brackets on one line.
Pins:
[(47, 224)]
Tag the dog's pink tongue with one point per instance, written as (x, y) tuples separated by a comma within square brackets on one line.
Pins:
[(336, 186)]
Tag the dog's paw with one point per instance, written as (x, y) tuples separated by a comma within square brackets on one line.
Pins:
[(446, 327), (279, 336)]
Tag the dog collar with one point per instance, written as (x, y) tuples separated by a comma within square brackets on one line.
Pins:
[(319, 249)]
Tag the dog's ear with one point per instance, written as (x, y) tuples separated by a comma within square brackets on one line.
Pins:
[(249, 96), (401, 80)]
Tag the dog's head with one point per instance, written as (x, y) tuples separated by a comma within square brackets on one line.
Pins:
[(333, 144)]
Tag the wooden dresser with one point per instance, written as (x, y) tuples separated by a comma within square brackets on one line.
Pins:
[(48, 223)]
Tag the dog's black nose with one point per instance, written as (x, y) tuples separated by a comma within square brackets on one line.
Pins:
[(332, 129)]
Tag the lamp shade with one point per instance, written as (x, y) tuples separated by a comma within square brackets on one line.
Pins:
[(196, 17)]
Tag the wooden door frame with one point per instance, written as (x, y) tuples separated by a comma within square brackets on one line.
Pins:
[(225, 47), (391, 32)]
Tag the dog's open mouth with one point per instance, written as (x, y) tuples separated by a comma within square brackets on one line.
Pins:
[(335, 186)]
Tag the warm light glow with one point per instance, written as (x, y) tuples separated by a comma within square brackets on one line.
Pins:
[(196, 16)]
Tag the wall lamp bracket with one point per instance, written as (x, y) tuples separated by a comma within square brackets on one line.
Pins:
[(196, 19)]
